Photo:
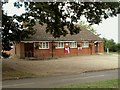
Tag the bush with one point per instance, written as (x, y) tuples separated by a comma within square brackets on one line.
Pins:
[(5, 55), (114, 48)]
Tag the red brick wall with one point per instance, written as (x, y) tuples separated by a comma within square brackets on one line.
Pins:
[(42, 53), (85, 51), (17, 49), (20, 50), (73, 51), (59, 52), (101, 47)]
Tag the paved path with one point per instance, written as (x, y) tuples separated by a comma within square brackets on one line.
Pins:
[(57, 81)]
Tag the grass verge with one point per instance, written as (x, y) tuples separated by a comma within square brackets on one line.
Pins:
[(100, 84), (16, 75), (10, 73)]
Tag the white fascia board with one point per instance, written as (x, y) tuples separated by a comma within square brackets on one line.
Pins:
[(34, 41), (27, 41), (65, 41), (97, 41)]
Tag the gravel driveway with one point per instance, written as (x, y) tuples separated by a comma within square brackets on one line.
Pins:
[(67, 65)]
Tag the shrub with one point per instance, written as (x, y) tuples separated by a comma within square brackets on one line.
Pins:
[(5, 55)]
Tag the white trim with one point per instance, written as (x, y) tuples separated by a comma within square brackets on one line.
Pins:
[(97, 41), (34, 41), (42, 45), (72, 46), (59, 47), (45, 45), (28, 42), (42, 41), (47, 41), (65, 41), (58, 41), (85, 46)]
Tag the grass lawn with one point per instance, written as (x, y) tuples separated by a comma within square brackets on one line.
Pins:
[(114, 52), (111, 53), (100, 84), (10, 73), (16, 74)]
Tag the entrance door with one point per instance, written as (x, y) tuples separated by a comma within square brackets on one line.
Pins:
[(96, 47), (28, 49)]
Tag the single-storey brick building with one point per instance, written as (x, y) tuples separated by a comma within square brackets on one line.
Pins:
[(43, 44)]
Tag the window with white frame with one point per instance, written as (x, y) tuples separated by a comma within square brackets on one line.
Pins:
[(85, 44), (43, 45), (60, 45), (73, 44)]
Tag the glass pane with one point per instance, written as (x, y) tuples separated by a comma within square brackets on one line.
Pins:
[(46, 44), (62, 44), (43, 44), (58, 44), (75, 44), (40, 45)]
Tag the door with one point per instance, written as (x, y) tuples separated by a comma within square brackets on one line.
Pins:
[(28, 49), (96, 47)]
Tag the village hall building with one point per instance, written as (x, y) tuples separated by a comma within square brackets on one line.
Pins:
[(43, 44)]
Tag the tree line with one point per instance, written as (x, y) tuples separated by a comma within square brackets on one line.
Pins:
[(111, 45)]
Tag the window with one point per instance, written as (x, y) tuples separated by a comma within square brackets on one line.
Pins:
[(60, 45), (85, 44), (42, 45), (73, 44)]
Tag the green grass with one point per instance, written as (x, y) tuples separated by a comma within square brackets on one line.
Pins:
[(100, 84), (114, 52), (9, 73), (16, 74)]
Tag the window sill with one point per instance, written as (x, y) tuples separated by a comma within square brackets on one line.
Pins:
[(59, 47), (73, 47), (43, 48), (85, 47)]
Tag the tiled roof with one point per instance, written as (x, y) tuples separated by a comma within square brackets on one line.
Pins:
[(41, 35)]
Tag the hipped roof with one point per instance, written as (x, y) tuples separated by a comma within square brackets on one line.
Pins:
[(41, 35)]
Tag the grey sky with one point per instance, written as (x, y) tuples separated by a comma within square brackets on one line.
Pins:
[(108, 28)]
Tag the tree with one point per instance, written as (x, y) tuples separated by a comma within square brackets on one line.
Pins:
[(88, 27), (56, 15), (118, 45), (113, 47), (13, 31)]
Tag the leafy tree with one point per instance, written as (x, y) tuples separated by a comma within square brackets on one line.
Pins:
[(13, 31), (118, 45), (88, 27), (56, 15), (113, 47)]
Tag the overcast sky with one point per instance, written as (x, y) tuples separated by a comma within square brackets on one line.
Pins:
[(108, 28)]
